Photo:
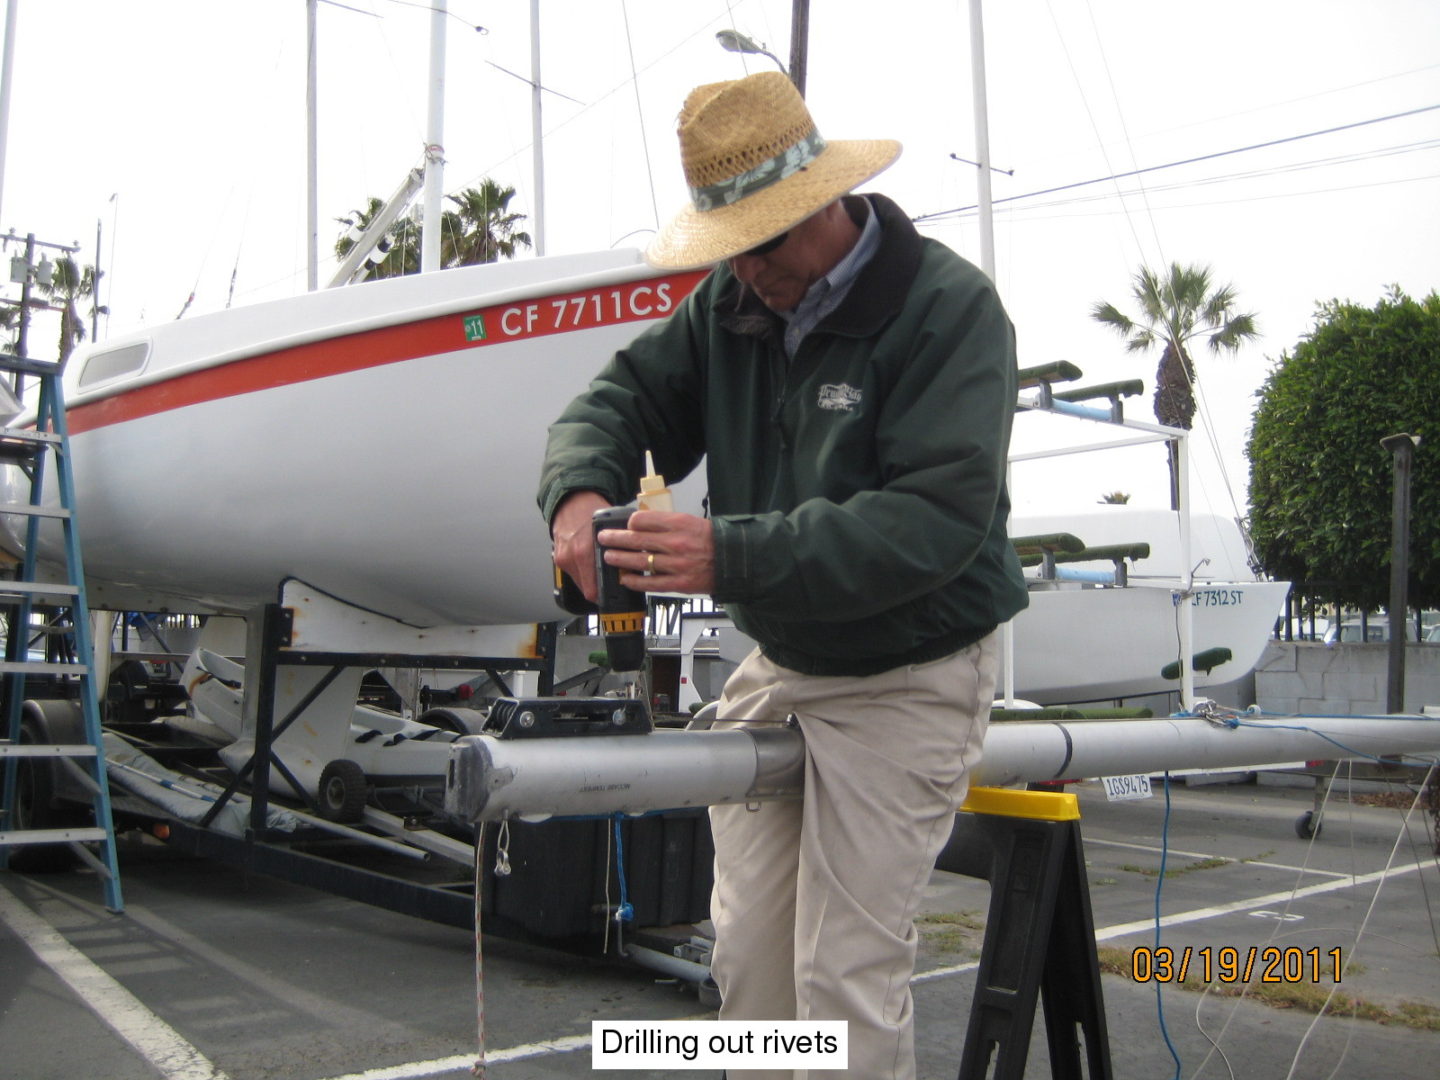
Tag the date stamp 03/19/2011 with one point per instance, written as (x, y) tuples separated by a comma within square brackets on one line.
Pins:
[(1229, 964)]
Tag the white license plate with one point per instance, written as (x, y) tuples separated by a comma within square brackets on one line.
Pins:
[(1126, 787)]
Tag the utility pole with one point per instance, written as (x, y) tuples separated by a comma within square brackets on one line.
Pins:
[(799, 42), (25, 272), (1402, 449)]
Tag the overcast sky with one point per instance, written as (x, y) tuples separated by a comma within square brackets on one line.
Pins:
[(177, 127)]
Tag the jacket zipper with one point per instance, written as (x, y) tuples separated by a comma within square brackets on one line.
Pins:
[(780, 375)]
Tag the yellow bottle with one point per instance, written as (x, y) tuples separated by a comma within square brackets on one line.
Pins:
[(653, 495)]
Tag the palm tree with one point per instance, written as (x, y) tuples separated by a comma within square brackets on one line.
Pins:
[(69, 285), (482, 230), (10, 321), (1173, 312)]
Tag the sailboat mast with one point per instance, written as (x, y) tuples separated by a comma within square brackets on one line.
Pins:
[(434, 142), (982, 139), (1185, 624), (537, 142), (987, 259), (312, 168)]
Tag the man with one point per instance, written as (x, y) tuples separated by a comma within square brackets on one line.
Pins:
[(852, 384)]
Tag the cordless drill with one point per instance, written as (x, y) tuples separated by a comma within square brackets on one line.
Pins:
[(621, 610)]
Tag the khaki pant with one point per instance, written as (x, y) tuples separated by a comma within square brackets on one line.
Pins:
[(814, 901)]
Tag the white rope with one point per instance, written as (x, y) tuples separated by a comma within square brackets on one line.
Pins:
[(478, 1069), (1360, 933)]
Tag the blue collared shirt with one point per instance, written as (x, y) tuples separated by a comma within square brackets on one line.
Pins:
[(825, 295)]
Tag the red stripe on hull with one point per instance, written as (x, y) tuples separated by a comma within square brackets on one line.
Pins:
[(499, 324)]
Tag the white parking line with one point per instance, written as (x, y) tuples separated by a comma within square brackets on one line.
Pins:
[(1269, 899), (1179, 918), (1209, 855), (416, 1070), (153, 1039)]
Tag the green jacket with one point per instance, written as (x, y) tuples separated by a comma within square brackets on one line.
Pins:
[(858, 490)]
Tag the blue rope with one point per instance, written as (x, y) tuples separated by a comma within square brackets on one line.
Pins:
[(624, 913), (1236, 722), (1312, 731), (1159, 885)]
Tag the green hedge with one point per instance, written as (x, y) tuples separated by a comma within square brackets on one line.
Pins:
[(1321, 484)]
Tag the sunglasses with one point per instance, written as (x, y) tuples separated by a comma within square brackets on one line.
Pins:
[(769, 245)]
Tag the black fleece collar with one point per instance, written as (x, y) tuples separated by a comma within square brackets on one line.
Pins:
[(878, 293)]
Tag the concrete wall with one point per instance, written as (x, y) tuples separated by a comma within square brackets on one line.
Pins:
[(1239, 694), (1328, 680)]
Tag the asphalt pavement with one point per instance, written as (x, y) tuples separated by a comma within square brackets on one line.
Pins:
[(215, 973)]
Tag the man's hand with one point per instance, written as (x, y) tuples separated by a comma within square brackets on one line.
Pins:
[(663, 551), (573, 538)]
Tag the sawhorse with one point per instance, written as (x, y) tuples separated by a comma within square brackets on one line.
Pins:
[(1039, 937)]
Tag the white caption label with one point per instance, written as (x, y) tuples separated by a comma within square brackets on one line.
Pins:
[(674, 1045)]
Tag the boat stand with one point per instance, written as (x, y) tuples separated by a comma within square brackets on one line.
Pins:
[(308, 628), (1039, 936)]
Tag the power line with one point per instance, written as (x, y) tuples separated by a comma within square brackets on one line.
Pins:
[(1253, 174), (1167, 207), (1173, 164)]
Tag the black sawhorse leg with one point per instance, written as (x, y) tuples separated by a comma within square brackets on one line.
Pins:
[(1039, 937)]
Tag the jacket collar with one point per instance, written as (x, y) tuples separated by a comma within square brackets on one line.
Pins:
[(878, 293)]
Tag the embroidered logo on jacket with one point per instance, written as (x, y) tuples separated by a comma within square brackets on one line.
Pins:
[(839, 396)]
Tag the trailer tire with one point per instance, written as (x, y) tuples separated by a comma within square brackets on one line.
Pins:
[(37, 807), (1308, 825), (344, 791)]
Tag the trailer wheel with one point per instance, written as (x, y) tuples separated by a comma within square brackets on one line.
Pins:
[(344, 791), (1307, 825), (36, 807)]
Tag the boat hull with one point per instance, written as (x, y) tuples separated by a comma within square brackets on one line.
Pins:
[(382, 443), (1086, 644), (393, 466)]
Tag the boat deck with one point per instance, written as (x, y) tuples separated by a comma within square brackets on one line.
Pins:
[(211, 973)]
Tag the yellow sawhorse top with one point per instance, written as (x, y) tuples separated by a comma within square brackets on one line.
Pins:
[(1015, 803)]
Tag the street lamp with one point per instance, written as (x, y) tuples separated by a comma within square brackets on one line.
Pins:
[(1402, 449), (734, 41)]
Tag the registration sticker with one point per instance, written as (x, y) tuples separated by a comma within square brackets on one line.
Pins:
[(1119, 788), (563, 313)]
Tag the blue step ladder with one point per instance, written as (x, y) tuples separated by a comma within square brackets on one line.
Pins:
[(34, 770)]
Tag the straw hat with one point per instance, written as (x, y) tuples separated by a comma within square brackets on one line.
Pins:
[(756, 166)]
